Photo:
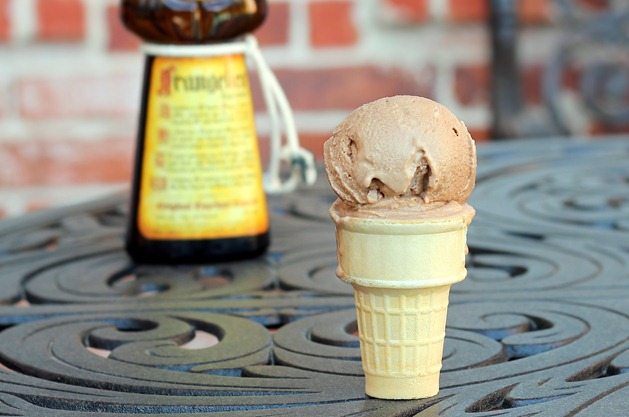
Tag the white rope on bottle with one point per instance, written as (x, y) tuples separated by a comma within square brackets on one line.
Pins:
[(281, 117)]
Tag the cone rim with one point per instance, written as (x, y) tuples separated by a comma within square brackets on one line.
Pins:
[(402, 284), (402, 226)]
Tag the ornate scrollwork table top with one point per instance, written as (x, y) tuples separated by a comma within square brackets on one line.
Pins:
[(539, 328)]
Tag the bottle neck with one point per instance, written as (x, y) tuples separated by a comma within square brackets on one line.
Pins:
[(235, 46)]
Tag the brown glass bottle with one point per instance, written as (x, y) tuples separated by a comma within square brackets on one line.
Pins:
[(197, 188), (192, 21)]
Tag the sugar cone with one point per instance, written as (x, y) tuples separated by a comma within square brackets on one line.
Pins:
[(401, 271)]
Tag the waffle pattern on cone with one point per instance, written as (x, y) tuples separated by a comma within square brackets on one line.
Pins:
[(401, 330)]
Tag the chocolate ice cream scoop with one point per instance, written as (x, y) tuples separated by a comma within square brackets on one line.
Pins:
[(403, 148)]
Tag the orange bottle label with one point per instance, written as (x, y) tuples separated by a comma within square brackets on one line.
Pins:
[(201, 171)]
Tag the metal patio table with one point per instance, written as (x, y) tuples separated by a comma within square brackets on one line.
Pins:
[(539, 328)]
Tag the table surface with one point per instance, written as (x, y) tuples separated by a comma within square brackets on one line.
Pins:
[(539, 328)]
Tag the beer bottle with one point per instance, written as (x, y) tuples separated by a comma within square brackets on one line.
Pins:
[(197, 193)]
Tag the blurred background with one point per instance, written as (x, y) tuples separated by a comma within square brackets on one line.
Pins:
[(70, 78)]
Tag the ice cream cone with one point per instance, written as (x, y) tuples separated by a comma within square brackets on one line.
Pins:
[(401, 270)]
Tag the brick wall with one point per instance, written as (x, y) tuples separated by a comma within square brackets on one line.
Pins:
[(70, 76)]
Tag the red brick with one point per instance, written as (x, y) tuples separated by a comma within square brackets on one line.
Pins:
[(469, 10), (88, 96), (5, 21), (65, 162), (471, 84), (600, 128), (274, 31), (479, 134), (263, 143), (594, 5), (313, 141), (532, 80), (332, 24), (534, 11), (60, 20), (346, 88), (405, 11), (571, 78), (120, 39)]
